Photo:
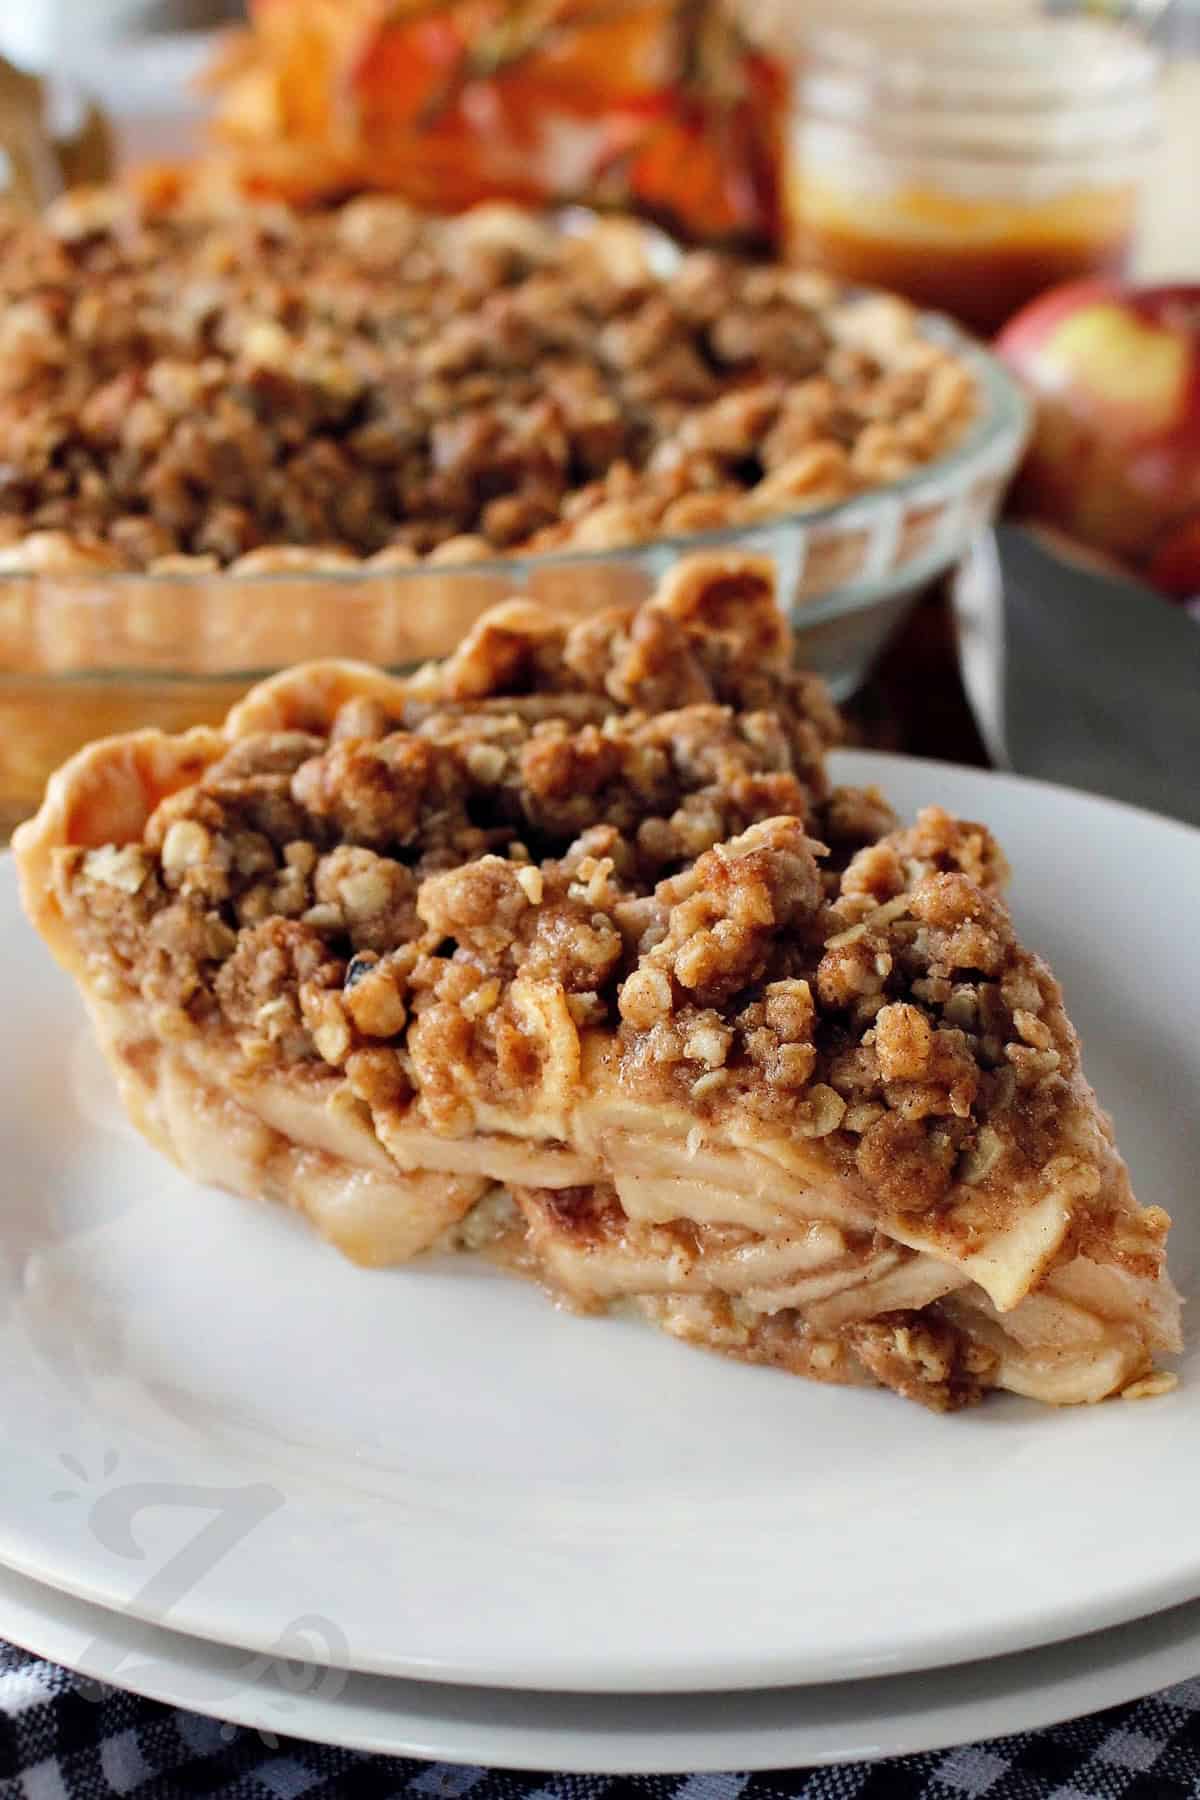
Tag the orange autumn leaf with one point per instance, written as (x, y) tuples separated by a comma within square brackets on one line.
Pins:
[(653, 105)]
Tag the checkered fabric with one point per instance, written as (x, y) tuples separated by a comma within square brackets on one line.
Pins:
[(55, 1744)]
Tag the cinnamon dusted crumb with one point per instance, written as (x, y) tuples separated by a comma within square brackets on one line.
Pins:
[(262, 989), (503, 924), (891, 861), (373, 898), (383, 792), (908, 1164), (724, 916), (274, 391), (923, 1359)]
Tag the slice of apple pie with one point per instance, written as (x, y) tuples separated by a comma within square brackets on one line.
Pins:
[(567, 950)]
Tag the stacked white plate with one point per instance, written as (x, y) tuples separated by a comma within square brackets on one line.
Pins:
[(419, 1511)]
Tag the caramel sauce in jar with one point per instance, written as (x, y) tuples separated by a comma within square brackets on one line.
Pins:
[(979, 260), (970, 168)]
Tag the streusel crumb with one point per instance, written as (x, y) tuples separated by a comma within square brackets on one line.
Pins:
[(444, 884), (271, 391)]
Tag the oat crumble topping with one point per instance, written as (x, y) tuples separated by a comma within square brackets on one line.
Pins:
[(270, 391), (384, 899)]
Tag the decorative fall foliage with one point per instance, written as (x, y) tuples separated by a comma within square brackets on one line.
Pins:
[(656, 106)]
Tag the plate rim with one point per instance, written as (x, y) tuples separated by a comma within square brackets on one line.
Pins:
[(618, 1734), (855, 755)]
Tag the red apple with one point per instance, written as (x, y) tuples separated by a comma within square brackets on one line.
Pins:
[(1115, 459)]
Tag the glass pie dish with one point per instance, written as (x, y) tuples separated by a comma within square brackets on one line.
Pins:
[(84, 654)]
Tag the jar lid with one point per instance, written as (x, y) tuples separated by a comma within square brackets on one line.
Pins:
[(1031, 86), (942, 59)]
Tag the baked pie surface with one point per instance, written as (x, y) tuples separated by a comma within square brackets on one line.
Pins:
[(567, 950), (361, 387)]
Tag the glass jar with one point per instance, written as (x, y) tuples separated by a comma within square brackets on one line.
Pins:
[(1168, 247), (969, 164)]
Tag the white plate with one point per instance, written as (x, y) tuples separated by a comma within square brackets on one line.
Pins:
[(461, 1484), (609, 1734)]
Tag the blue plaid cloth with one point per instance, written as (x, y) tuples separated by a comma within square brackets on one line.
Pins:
[(55, 1744)]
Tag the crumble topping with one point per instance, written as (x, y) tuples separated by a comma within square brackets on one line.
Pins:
[(270, 391), (923, 1358), (439, 894)]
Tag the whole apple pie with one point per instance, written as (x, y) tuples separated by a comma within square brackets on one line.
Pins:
[(183, 390), (566, 950)]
